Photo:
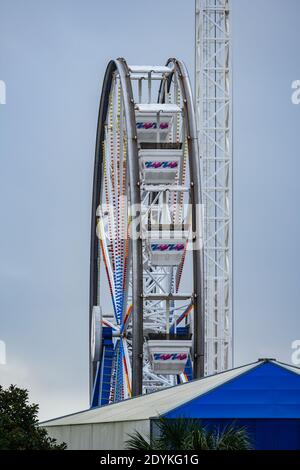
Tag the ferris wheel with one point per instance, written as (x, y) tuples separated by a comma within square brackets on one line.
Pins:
[(146, 283)]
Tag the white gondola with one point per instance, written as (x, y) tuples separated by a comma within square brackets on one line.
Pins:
[(169, 357), (150, 128), (160, 166), (166, 243)]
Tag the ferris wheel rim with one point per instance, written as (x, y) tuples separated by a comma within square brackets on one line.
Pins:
[(198, 259), (120, 66)]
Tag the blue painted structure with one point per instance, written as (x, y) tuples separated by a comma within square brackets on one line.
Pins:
[(265, 399), (104, 371)]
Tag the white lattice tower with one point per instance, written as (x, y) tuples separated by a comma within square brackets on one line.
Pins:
[(214, 120)]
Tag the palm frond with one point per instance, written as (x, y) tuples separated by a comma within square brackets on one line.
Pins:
[(232, 438), (174, 434), (199, 438), (137, 442)]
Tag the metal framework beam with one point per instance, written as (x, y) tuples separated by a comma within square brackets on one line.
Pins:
[(214, 121)]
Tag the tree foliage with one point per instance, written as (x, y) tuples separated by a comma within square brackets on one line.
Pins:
[(19, 428), (188, 434)]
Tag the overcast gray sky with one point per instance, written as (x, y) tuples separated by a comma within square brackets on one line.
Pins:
[(53, 54)]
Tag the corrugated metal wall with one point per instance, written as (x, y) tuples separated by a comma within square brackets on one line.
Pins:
[(100, 436)]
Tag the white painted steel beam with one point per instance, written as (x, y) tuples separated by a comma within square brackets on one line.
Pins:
[(214, 120)]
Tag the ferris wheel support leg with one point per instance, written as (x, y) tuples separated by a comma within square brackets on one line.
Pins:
[(137, 330), (137, 256), (199, 325)]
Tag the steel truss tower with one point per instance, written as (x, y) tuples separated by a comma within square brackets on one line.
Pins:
[(214, 121)]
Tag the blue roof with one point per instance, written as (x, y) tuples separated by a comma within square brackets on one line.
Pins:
[(269, 390)]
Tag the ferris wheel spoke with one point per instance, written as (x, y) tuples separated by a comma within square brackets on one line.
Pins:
[(127, 369), (106, 322), (126, 319)]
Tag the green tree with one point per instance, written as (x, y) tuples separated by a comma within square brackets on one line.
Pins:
[(187, 434), (19, 428)]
